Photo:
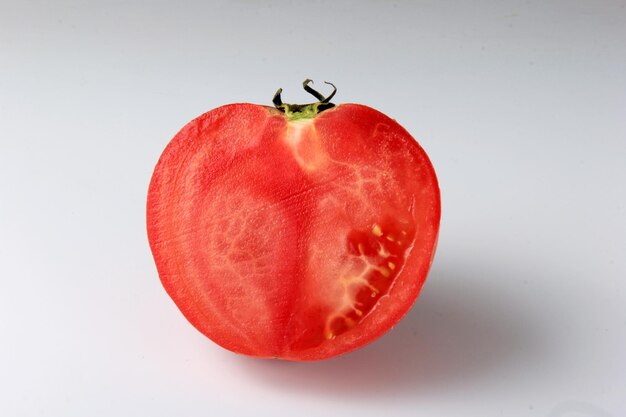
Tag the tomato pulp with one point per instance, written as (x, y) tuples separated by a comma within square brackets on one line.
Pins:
[(293, 232)]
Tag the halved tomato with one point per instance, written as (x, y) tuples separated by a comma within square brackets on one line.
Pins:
[(297, 232)]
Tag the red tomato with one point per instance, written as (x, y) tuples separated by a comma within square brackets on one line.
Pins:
[(297, 232)]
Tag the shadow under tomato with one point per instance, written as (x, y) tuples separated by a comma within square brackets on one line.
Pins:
[(459, 331)]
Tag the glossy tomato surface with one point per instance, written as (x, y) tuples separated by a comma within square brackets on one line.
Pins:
[(293, 239)]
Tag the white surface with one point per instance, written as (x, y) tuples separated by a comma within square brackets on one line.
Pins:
[(521, 106)]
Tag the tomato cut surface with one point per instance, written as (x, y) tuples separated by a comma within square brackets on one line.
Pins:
[(294, 239)]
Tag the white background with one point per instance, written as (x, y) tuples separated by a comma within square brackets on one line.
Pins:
[(521, 106)]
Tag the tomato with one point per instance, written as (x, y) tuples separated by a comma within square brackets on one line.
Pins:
[(297, 232)]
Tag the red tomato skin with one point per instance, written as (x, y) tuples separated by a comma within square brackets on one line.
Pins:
[(235, 206)]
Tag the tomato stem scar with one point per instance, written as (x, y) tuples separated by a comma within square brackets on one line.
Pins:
[(305, 111)]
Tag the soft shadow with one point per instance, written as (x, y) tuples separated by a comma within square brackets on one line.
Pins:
[(458, 332)]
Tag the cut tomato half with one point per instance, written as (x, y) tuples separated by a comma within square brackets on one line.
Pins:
[(292, 232)]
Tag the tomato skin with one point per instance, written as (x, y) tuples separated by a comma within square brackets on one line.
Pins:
[(253, 220)]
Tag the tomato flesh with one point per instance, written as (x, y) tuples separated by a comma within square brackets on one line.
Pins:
[(298, 240)]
